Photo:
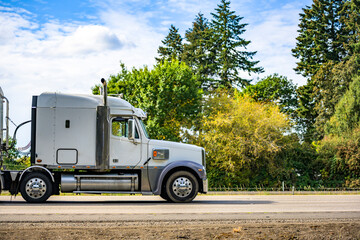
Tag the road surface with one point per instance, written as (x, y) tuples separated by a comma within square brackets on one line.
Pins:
[(204, 207)]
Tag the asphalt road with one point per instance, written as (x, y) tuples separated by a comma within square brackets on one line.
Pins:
[(204, 207)]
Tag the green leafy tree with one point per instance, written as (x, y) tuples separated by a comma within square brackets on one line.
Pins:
[(169, 94), (230, 48), (241, 138), (172, 46), (297, 164), (199, 51), (347, 111), (13, 160), (340, 156), (276, 89), (330, 83)]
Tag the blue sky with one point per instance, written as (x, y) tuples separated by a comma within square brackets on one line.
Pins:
[(69, 45)]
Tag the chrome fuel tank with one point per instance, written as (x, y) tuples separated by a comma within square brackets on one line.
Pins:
[(106, 182)]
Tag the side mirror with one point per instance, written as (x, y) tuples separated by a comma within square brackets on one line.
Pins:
[(131, 129)]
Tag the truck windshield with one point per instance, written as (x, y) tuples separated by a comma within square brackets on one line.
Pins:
[(144, 128)]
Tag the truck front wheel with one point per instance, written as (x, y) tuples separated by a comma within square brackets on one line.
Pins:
[(36, 187), (181, 187)]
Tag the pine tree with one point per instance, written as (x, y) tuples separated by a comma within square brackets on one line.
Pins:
[(172, 46), (306, 112), (198, 52), (321, 36), (350, 17), (230, 47), (320, 48)]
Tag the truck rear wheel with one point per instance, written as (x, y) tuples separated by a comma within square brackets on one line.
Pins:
[(182, 187), (36, 187)]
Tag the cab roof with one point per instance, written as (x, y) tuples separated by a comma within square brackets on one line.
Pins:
[(62, 100)]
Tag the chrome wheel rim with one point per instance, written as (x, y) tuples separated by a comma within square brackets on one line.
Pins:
[(182, 187), (35, 188)]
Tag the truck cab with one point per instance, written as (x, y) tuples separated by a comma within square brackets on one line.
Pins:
[(99, 144)]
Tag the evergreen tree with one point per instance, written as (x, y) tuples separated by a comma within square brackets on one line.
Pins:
[(321, 36), (306, 113), (172, 46), (328, 36), (230, 47), (350, 17), (198, 52)]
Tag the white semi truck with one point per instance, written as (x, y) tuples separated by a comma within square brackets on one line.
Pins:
[(98, 144)]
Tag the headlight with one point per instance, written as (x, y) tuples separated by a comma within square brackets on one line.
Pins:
[(160, 154)]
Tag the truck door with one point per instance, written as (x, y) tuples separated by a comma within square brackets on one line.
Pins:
[(124, 153)]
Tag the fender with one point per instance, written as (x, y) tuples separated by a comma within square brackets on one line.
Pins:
[(187, 164), (37, 167)]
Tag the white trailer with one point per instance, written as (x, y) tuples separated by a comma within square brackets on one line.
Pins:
[(99, 144)]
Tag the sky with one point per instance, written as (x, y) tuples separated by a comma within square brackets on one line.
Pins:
[(69, 45)]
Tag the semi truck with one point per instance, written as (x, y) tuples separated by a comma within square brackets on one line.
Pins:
[(98, 144)]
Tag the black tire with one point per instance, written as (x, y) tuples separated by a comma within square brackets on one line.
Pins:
[(36, 187), (181, 187), (164, 196)]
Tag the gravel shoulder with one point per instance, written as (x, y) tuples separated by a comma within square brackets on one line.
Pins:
[(208, 217), (227, 229)]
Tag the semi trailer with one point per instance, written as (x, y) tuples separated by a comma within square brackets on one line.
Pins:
[(98, 144)]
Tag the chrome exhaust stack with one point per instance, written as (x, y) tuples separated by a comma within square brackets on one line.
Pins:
[(103, 132), (104, 91)]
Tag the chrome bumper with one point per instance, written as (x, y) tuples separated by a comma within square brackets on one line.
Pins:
[(205, 186)]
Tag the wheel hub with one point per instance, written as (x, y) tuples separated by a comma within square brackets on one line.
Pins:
[(182, 187), (35, 187)]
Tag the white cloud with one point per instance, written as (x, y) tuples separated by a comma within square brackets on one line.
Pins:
[(273, 38), (73, 56), (67, 57), (89, 39)]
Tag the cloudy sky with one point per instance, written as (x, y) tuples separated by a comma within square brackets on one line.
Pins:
[(68, 46)]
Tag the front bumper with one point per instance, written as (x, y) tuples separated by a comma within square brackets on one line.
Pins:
[(205, 186)]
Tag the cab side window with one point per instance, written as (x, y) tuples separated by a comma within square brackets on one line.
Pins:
[(119, 127)]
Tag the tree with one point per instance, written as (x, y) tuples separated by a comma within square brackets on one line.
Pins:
[(169, 94), (276, 89), (326, 48), (199, 52), (306, 114), (172, 48), (321, 36), (350, 17), (330, 83), (347, 111), (241, 138), (230, 48), (340, 156), (13, 160)]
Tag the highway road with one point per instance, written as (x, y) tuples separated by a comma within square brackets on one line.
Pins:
[(204, 207)]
